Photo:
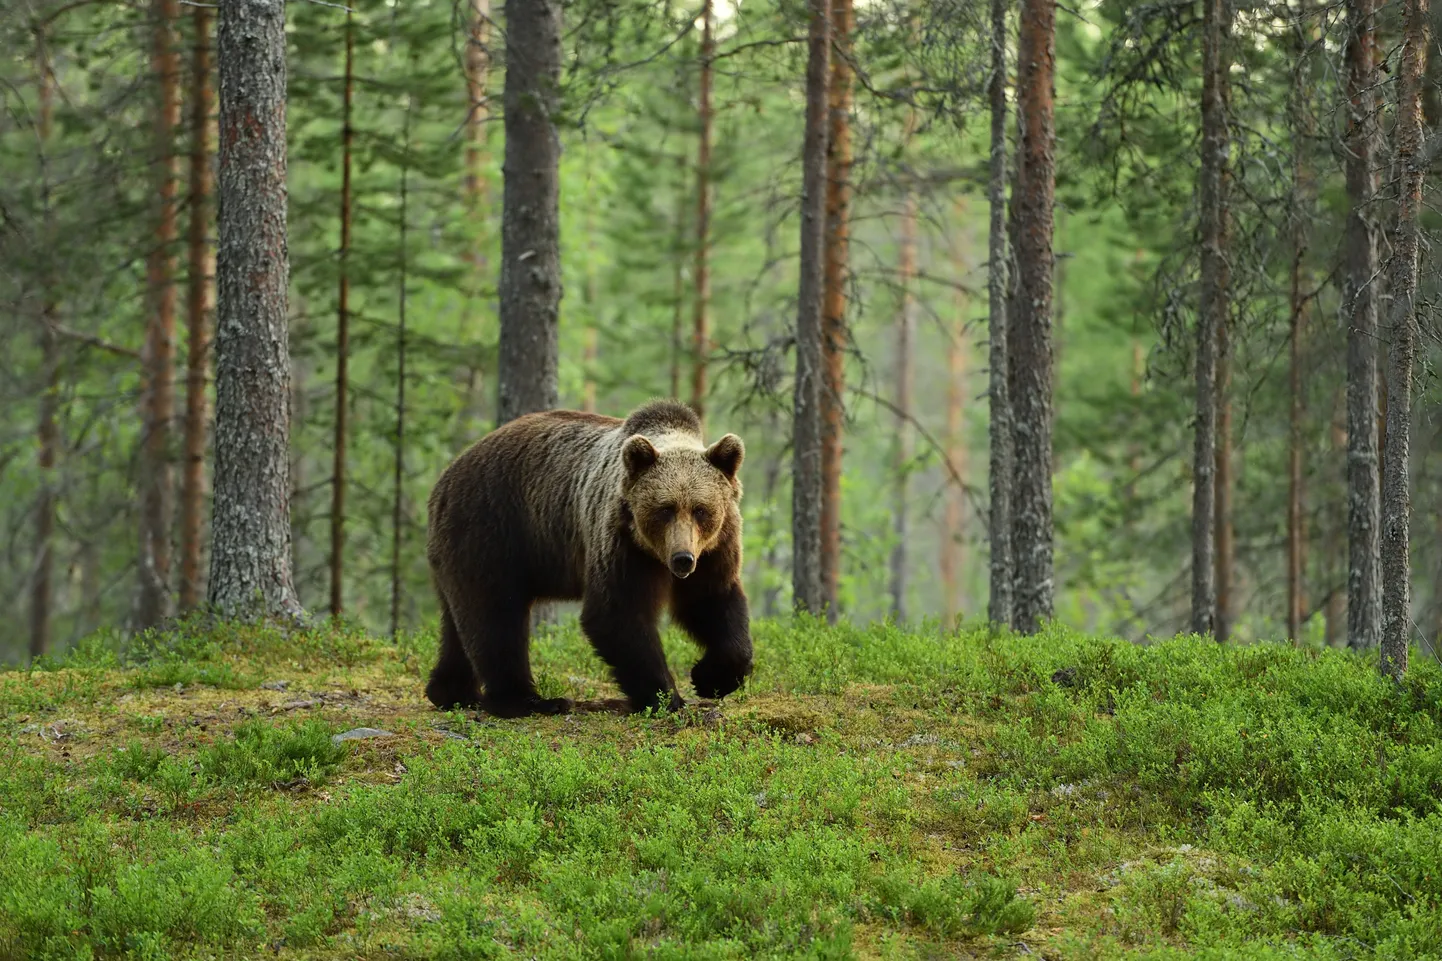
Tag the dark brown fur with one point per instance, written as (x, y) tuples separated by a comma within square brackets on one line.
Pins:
[(562, 505)]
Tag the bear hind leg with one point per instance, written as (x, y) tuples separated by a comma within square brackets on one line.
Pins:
[(453, 681), (497, 639)]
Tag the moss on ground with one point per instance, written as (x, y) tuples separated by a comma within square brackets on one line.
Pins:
[(874, 793)]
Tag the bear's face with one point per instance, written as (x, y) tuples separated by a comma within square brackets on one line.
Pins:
[(680, 496)]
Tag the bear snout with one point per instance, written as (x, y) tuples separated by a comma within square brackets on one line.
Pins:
[(683, 563)]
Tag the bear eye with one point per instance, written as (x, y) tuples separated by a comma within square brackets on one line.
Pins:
[(667, 511), (702, 515)]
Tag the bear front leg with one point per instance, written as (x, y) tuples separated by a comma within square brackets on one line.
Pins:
[(624, 635), (719, 619)]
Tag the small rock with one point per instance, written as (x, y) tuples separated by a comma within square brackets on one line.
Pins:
[(297, 705), (275, 685), (804, 738), (360, 734)]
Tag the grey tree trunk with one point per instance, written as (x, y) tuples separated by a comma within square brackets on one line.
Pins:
[(250, 563), (806, 479), (905, 374), (1359, 315), (1403, 334), (530, 289), (1212, 309), (1029, 328), (999, 395)]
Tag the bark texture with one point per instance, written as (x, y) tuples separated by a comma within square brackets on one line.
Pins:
[(701, 331), (250, 563), (531, 226), (1296, 516), (1402, 336), (1225, 546), (1359, 315), (478, 65), (199, 295), (1212, 308), (833, 317), (157, 487), (342, 334), (1001, 453), (1030, 329), (958, 373), (806, 481), (905, 447)]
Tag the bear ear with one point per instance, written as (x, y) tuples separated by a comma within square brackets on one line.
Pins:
[(726, 455), (638, 455)]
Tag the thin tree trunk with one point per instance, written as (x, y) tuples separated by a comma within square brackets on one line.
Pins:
[(958, 373), (679, 278), (1001, 454), (806, 478), (342, 338), (199, 294), (530, 229), (834, 335), (1403, 335), (1212, 310), (398, 480), (250, 562), (1030, 335), (1335, 609), (701, 333), (589, 338), (157, 477), (478, 65), (905, 375), (1296, 515), (47, 431), (1225, 486), (1359, 314)]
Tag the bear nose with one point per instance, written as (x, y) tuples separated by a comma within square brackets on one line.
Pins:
[(683, 563)]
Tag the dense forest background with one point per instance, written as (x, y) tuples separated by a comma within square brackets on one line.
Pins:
[(680, 129)]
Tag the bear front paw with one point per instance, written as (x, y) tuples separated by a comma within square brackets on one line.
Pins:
[(526, 706), (716, 678)]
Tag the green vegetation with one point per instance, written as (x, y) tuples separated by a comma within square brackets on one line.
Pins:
[(874, 793)]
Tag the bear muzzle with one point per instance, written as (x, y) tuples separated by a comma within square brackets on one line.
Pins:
[(683, 563)]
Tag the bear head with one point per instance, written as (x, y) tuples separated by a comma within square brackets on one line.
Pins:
[(682, 497)]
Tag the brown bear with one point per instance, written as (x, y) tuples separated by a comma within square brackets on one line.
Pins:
[(625, 516)]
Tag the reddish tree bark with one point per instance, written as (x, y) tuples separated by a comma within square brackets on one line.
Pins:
[(834, 335), (957, 366), (806, 481), (158, 377), (1403, 335), (198, 305), (342, 337)]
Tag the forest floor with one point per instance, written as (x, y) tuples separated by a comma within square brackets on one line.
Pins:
[(874, 793)]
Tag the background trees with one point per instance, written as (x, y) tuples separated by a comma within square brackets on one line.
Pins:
[(661, 181)]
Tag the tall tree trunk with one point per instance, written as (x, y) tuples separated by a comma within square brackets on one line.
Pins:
[(834, 335), (589, 337), (1030, 334), (1403, 334), (1226, 553), (198, 305), (905, 374), (1001, 454), (399, 476), (250, 562), (1335, 608), (678, 265), (478, 65), (958, 373), (342, 336), (157, 480), (1359, 315), (530, 228), (47, 431), (701, 332), (806, 478), (1212, 310), (1296, 515)]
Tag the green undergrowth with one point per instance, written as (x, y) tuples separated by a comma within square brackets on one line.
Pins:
[(873, 792)]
